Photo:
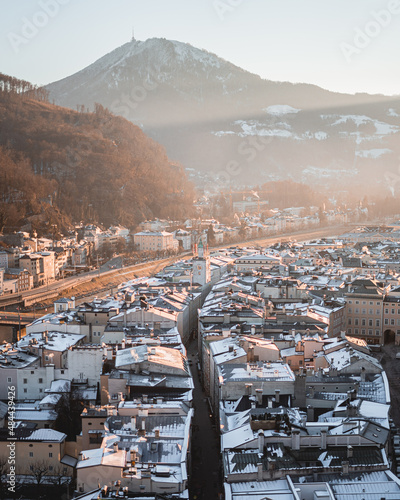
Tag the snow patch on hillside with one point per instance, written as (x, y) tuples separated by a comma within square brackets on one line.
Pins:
[(372, 153), (392, 112), (254, 127), (320, 136), (381, 128), (280, 109)]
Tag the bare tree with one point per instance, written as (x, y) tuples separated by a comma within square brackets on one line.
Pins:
[(58, 477), (39, 470)]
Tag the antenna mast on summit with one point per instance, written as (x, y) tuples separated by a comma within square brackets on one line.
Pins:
[(133, 35)]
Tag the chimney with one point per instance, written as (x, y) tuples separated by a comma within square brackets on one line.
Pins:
[(259, 471), (157, 433), (323, 439), (277, 395), (260, 441), (144, 398), (115, 446), (352, 411), (133, 457), (259, 394), (123, 343), (253, 329), (362, 374), (311, 391), (345, 467), (250, 354), (249, 388), (310, 413), (133, 423), (349, 451), (295, 439)]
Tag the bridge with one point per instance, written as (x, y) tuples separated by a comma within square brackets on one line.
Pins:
[(13, 318), (12, 325)]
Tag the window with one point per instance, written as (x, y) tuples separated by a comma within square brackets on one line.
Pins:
[(50, 455), (364, 311), (363, 331), (392, 321), (356, 331), (356, 321), (363, 322), (349, 310), (357, 301), (364, 302), (40, 390), (25, 380), (377, 333), (50, 467), (377, 322), (25, 390), (356, 310), (370, 311), (386, 311), (370, 322), (349, 321), (31, 453), (386, 321), (40, 381), (9, 379), (371, 303)]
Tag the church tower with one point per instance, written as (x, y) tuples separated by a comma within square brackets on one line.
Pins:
[(201, 267)]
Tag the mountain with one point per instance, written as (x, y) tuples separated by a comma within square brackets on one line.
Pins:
[(57, 163), (229, 126)]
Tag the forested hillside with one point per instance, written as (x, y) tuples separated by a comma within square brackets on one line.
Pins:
[(76, 166)]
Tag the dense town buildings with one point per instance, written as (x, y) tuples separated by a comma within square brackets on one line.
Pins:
[(285, 342)]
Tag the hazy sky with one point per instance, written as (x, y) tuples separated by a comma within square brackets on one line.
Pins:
[(344, 45)]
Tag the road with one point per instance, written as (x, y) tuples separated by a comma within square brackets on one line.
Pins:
[(205, 481)]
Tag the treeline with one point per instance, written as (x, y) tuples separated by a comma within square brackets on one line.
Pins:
[(90, 167), (21, 192), (9, 85)]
